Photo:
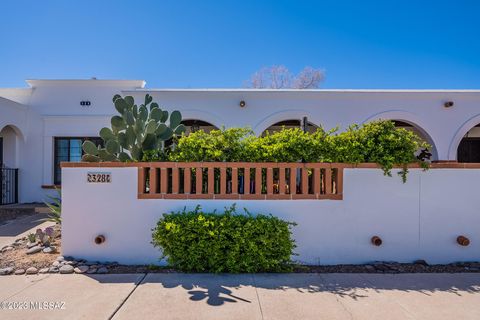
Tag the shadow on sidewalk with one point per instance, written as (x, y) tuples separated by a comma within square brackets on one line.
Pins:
[(216, 290)]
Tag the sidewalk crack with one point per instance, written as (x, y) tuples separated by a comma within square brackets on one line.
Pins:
[(258, 296), (138, 283)]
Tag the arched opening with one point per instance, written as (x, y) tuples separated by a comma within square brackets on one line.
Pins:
[(9, 146), (9, 154), (193, 125), (469, 148), (292, 123), (431, 154)]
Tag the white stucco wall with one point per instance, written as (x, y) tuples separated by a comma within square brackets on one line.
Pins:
[(417, 220)]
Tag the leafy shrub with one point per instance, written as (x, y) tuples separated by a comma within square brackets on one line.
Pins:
[(375, 142), (217, 145), (287, 145), (155, 155), (196, 241)]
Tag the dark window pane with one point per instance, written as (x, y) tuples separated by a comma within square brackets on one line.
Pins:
[(69, 150)]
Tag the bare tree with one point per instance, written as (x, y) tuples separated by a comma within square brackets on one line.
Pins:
[(279, 77), (309, 78), (274, 77)]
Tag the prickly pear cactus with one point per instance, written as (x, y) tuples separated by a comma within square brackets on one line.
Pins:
[(135, 130)]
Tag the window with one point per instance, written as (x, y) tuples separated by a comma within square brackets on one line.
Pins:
[(69, 149)]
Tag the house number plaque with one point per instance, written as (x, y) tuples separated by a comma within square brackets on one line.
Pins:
[(99, 177)]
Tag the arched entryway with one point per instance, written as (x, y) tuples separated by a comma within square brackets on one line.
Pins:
[(469, 148), (291, 123), (431, 152), (10, 137)]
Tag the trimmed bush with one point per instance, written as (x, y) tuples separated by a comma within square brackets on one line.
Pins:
[(218, 145), (197, 241), (375, 142)]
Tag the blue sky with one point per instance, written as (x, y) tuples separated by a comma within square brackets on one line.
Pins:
[(198, 44)]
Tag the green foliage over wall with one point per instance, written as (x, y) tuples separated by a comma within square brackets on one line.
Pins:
[(219, 145), (197, 241), (375, 142)]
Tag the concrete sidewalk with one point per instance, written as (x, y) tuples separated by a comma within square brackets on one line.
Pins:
[(259, 296)]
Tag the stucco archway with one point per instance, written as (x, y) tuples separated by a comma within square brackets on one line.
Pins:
[(289, 123), (416, 125), (203, 116), (10, 139), (280, 116), (460, 134), (193, 125)]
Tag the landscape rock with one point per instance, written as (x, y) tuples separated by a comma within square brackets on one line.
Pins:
[(32, 270), (421, 262), (81, 269), (91, 270), (19, 271), (53, 270), (369, 268), (43, 270), (7, 248), (6, 271), (65, 269), (33, 250), (56, 263), (49, 250), (31, 245), (60, 258), (102, 270)]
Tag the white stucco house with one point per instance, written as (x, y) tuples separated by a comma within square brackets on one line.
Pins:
[(46, 122)]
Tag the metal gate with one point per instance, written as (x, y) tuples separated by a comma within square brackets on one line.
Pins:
[(8, 186)]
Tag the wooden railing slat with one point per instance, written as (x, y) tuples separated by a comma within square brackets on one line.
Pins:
[(258, 180), (211, 180), (187, 181), (153, 180), (234, 180), (316, 181), (269, 180), (304, 180), (163, 180), (175, 181), (339, 180), (198, 180), (293, 180), (246, 180), (141, 180), (328, 181)]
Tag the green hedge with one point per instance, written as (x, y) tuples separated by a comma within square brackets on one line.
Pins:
[(375, 142), (197, 241)]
